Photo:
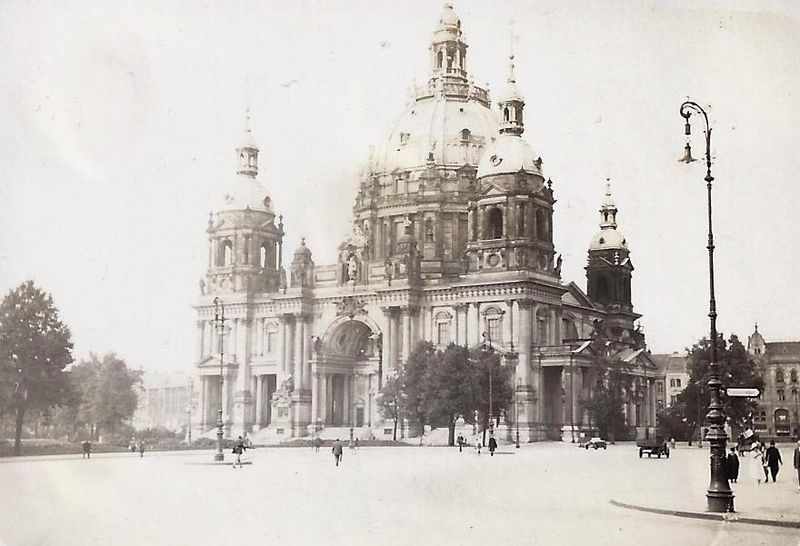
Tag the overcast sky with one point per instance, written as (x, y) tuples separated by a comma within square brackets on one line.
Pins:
[(118, 123)]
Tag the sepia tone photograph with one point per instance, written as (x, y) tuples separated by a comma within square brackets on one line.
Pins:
[(399, 273)]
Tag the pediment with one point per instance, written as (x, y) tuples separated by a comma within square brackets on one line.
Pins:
[(577, 297)]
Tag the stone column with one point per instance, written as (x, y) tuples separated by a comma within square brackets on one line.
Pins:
[(203, 402), (388, 344), (299, 346), (406, 333), (471, 222), (200, 340), (315, 395), (259, 400), (288, 365), (456, 337), (308, 354), (281, 367)]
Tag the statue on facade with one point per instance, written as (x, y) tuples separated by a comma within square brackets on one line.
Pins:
[(288, 383), (387, 270), (352, 268), (202, 287), (558, 265)]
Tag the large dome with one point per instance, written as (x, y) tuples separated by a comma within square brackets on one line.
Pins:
[(608, 239), (455, 131), (509, 154)]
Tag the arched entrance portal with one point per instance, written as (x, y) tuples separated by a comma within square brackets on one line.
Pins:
[(348, 367)]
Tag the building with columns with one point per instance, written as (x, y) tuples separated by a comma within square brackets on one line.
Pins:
[(452, 241)]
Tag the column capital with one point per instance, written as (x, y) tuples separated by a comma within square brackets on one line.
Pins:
[(525, 303), (460, 306)]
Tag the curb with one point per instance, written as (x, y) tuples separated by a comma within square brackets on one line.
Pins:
[(729, 518)]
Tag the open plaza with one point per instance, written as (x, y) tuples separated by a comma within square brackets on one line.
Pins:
[(546, 493)]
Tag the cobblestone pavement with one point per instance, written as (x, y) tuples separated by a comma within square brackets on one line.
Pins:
[(540, 494)]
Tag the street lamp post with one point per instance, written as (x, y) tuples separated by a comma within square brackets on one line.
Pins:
[(487, 345), (719, 495), (219, 322)]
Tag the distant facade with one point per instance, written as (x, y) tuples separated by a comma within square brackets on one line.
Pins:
[(164, 401), (452, 241), (778, 414), (675, 371)]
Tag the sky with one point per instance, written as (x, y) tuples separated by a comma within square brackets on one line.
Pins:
[(119, 120)]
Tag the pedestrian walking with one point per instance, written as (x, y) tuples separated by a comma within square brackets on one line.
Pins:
[(492, 445), (239, 448), (87, 449), (337, 451), (141, 448), (755, 462), (797, 463), (132, 445), (478, 445), (317, 443), (356, 444), (460, 442), (773, 460), (732, 465)]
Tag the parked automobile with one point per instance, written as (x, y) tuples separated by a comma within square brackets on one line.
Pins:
[(595, 443), (650, 441)]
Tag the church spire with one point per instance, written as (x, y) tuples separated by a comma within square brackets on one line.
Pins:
[(511, 101), (248, 151), (608, 211)]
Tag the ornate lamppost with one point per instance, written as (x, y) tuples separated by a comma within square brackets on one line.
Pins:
[(719, 494), (219, 323), (487, 347)]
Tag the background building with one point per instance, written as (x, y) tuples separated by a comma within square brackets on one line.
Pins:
[(164, 401), (778, 415), (675, 371), (452, 241)]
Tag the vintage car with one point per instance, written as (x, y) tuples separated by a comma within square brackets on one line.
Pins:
[(650, 441), (594, 443)]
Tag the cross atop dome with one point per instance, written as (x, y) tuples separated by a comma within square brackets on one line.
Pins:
[(511, 100)]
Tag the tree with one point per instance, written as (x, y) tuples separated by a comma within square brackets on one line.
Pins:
[(735, 368), (492, 376), (452, 388), (605, 407), (107, 390), (390, 400), (35, 347), (417, 398)]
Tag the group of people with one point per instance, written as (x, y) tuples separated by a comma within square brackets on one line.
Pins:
[(766, 461), (462, 442), (135, 446)]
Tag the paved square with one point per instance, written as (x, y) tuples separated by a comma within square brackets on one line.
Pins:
[(540, 494)]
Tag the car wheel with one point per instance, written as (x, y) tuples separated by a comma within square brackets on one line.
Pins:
[(640, 453), (594, 447), (587, 447), (605, 447), (659, 454)]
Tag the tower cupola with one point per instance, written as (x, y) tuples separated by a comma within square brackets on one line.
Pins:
[(511, 103), (248, 151), (448, 48)]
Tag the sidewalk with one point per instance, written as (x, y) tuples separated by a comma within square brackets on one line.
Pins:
[(681, 491)]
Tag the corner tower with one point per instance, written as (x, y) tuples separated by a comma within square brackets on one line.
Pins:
[(244, 243)]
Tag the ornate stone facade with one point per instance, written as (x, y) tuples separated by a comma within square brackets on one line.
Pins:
[(452, 241)]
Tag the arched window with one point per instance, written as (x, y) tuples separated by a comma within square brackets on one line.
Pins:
[(227, 253), (494, 224), (246, 252), (541, 329), (465, 134), (442, 328), (505, 114), (439, 59), (779, 376), (493, 325), (793, 376)]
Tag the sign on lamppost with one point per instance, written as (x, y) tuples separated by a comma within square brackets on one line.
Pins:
[(742, 392)]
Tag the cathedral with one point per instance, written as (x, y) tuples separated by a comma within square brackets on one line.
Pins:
[(452, 242)]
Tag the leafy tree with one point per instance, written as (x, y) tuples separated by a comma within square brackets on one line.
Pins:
[(605, 408), (416, 382), (453, 388), (391, 400), (735, 368), (489, 371), (35, 347), (107, 390)]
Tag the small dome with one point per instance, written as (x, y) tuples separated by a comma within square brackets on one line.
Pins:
[(302, 250), (508, 155), (608, 239), (245, 192), (449, 17), (510, 93)]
